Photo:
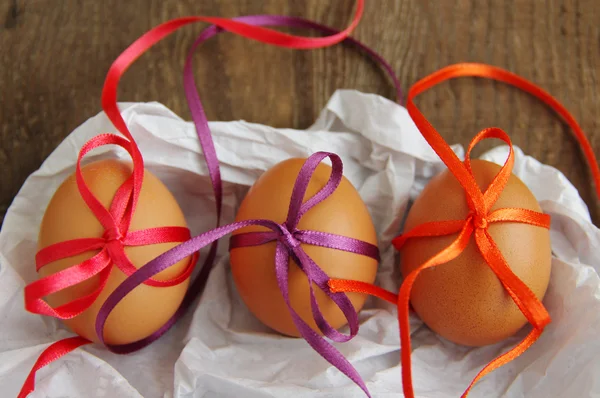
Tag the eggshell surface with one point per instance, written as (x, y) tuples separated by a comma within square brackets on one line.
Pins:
[(253, 268), (463, 300), (145, 309)]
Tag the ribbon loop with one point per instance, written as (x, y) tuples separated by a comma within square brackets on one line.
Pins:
[(297, 208), (493, 191)]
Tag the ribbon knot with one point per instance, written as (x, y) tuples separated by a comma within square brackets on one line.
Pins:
[(112, 234), (287, 238), (479, 221)]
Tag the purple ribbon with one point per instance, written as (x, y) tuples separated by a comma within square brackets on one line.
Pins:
[(287, 236)]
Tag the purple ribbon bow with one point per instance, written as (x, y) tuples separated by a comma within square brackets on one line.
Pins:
[(288, 237)]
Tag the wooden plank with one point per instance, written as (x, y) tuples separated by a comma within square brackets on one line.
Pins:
[(55, 55)]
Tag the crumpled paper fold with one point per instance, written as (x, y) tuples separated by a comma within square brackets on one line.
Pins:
[(220, 350)]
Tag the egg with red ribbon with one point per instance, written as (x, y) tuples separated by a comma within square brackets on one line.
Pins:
[(307, 243), (463, 300), (111, 254)]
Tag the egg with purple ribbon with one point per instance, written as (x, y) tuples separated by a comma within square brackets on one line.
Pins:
[(343, 213)]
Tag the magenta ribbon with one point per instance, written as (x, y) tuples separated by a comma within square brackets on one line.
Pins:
[(287, 236)]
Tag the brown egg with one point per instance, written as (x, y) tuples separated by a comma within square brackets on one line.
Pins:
[(253, 268), (145, 309), (463, 300)]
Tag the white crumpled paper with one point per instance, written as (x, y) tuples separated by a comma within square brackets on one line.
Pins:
[(220, 350)]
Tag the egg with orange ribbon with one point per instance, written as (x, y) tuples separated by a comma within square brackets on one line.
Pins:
[(463, 300), (253, 267), (68, 218)]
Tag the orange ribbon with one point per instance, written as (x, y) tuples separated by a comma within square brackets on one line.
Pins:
[(477, 222)]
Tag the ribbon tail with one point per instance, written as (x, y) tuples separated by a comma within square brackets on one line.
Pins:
[(49, 355), (316, 275), (448, 254), (524, 298), (318, 343), (506, 357)]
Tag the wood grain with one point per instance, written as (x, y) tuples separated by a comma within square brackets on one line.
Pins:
[(54, 56)]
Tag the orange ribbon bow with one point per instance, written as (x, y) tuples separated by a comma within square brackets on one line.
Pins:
[(477, 222)]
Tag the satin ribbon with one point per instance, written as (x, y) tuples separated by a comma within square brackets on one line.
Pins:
[(115, 222), (289, 240), (477, 222), (117, 219), (287, 237)]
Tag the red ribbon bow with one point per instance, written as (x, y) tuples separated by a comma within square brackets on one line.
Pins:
[(116, 222)]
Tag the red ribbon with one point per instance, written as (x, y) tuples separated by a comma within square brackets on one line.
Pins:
[(117, 219), (116, 223), (477, 222)]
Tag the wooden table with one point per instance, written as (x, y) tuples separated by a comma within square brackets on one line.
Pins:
[(54, 55)]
